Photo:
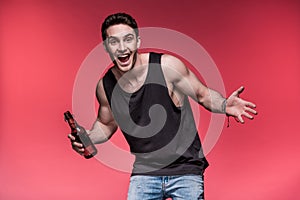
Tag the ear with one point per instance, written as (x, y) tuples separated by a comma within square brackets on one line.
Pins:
[(105, 47), (138, 42)]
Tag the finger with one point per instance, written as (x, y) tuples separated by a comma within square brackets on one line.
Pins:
[(78, 150), (240, 119), (249, 104), (247, 115), (250, 110), (76, 144), (77, 147), (81, 150), (88, 132), (236, 119), (71, 137)]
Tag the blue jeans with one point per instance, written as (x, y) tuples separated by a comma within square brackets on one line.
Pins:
[(185, 187)]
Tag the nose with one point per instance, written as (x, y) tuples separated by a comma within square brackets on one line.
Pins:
[(122, 47)]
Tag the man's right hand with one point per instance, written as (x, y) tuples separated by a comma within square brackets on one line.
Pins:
[(78, 147)]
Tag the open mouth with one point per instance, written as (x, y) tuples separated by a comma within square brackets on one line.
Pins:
[(124, 58)]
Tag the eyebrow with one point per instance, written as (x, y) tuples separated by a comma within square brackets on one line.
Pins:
[(114, 37)]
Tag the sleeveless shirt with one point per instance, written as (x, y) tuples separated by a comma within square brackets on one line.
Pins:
[(162, 136)]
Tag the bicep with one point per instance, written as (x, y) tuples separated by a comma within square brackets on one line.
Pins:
[(184, 79), (104, 116)]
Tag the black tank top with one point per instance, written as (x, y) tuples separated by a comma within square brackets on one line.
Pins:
[(162, 136)]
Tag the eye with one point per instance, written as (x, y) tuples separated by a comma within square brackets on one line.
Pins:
[(128, 39), (112, 42)]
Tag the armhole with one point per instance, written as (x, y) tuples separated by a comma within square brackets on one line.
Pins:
[(108, 85), (185, 98)]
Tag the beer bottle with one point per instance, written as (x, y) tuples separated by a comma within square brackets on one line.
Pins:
[(81, 136)]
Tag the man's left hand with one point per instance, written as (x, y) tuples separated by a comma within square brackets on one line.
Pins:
[(237, 107)]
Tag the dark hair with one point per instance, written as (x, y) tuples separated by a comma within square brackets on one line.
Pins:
[(118, 18)]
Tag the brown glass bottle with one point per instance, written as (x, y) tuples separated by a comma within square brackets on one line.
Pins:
[(81, 136)]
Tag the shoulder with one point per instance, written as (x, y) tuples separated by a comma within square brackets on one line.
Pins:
[(100, 88), (173, 67), (105, 76), (170, 60), (100, 92)]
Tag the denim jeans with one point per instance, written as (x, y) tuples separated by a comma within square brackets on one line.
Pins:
[(185, 187)]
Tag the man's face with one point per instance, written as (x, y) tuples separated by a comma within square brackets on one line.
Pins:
[(122, 44)]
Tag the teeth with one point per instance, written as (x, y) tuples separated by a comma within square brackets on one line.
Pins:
[(123, 56)]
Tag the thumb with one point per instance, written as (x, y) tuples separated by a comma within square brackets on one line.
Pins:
[(238, 91)]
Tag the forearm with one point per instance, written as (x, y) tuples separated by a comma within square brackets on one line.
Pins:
[(100, 132), (214, 101)]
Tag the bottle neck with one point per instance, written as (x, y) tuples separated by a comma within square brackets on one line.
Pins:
[(72, 124)]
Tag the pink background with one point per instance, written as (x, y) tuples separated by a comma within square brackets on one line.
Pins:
[(43, 43)]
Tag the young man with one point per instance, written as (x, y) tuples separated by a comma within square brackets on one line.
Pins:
[(146, 95)]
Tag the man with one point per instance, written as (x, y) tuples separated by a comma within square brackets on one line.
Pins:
[(146, 95)]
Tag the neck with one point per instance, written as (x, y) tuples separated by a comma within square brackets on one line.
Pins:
[(136, 75)]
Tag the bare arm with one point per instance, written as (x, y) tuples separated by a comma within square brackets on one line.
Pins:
[(104, 126), (186, 81)]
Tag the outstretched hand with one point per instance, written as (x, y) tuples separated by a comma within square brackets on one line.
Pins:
[(237, 107)]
